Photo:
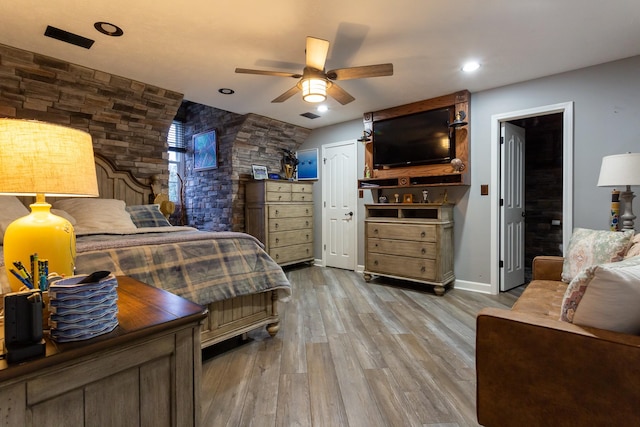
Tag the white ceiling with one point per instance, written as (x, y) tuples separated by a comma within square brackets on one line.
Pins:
[(193, 47)]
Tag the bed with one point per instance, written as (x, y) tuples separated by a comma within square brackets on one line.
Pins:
[(228, 272)]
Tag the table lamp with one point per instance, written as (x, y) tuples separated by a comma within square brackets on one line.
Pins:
[(617, 171), (38, 159)]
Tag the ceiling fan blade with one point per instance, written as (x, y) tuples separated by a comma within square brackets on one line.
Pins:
[(268, 73), (378, 70), (339, 94), (288, 94), (316, 51)]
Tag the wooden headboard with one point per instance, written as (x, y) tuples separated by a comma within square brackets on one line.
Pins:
[(121, 185), (113, 184)]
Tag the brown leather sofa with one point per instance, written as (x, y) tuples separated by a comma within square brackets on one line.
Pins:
[(535, 370)]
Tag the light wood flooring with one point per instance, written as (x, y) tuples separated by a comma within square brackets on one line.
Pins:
[(352, 353)]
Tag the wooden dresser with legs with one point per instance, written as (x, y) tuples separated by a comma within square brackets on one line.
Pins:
[(410, 242), (280, 214)]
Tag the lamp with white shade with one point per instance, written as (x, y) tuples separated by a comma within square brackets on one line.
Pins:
[(621, 170), (38, 159)]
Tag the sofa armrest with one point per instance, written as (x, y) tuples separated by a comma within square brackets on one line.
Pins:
[(547, 268), (534, 371)]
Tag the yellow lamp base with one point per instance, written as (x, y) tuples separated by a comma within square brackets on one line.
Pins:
[(42, 233)]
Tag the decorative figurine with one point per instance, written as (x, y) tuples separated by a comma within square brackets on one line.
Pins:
[(367, 171), (425, 196), (397, 196), (382, 199), (457, 165)]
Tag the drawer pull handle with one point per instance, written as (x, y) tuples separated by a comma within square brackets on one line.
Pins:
[(306, 210), (424, 251), (423, 269), (376, 245), (307, 223), (276, 225), (375, 231), (277, 240), (423, 234), (279, 197), (307, 237), (277, 212), (277, 256), (302, 197), (375, 262)]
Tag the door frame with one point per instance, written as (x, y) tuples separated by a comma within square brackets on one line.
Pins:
[(325, 193), (566, 108)]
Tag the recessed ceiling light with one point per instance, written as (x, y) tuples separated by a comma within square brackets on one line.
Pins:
[(322, 108), (108, 29), (226, 91), (470, 66)]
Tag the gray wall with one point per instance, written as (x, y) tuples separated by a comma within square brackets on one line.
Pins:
[(606, 121)]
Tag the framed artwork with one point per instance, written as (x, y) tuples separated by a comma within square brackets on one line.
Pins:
[(308, 164), (205, 150), (259, 172)]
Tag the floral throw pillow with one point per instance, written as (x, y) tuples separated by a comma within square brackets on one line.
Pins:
[(605, 296), (591, 247)]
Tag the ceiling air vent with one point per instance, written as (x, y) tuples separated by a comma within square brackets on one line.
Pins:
[(66, 36), (310, 115)]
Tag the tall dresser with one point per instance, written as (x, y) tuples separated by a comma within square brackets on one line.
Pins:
[(280, 215)]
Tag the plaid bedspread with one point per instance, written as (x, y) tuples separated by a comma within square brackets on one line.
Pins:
[(202, 267)]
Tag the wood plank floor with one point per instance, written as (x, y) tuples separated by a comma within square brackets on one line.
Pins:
[(351, 353)]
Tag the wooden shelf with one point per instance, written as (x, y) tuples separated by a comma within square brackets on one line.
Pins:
[(412, 181)]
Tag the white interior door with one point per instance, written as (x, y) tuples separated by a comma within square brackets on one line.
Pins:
[(339, 203), (512, 207)]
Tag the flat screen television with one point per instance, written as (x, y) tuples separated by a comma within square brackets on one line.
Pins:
[(415, 139)]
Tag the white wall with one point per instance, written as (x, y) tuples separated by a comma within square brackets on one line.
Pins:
[(607, 121)]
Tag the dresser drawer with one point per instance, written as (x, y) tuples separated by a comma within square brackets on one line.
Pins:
[(290, 211), (301, 197), (278, 186), (415, 268), (274, 196), (402, 248), (287, 238), (286, 224), (418, 232), (290, 254), (298, 187)]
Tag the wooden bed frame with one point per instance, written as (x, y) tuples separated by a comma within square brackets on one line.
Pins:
[(227, 318)]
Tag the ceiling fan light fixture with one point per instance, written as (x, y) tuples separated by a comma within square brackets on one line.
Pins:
[(314, 90)]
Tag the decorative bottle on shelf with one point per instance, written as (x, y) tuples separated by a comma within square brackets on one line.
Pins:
[(367, 171)]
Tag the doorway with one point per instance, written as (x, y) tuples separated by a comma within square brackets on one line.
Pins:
[(549, 171), (542, 187)]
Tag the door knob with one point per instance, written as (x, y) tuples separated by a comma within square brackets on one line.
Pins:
[(349, 214)]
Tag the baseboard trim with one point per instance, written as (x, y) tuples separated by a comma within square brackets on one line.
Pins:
[(465, 285)]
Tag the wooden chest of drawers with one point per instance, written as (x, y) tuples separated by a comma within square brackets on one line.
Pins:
[(280, 215), (411, 242)]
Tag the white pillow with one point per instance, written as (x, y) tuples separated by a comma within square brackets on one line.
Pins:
[(11, 208), (97, 214), (610, 297)]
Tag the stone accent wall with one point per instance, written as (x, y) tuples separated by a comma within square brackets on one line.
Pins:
[(128, 120), (215, 198)]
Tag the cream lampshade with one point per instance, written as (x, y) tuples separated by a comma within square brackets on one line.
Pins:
[(622, 170), (38, 159), (314, 90)]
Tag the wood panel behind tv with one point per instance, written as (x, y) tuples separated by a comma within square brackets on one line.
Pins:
[(460, 100)]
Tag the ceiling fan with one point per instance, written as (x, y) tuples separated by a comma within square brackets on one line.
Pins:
[(315, 83)]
